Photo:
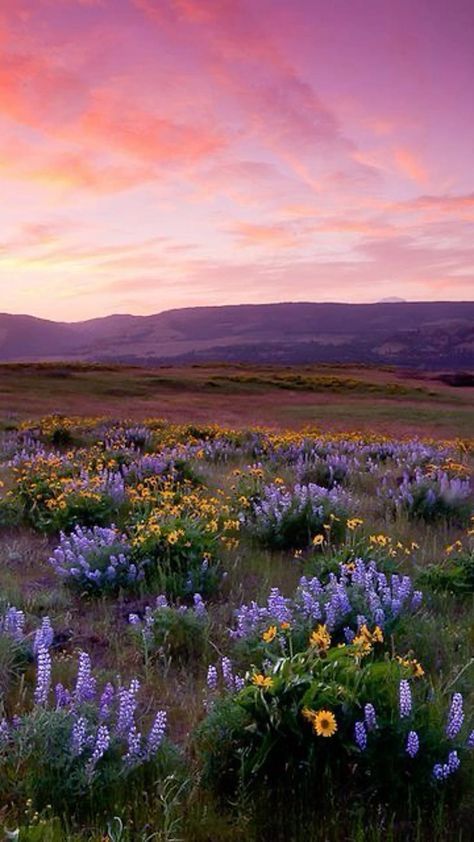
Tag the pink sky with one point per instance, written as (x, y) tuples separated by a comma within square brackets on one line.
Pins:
[(173, 153)]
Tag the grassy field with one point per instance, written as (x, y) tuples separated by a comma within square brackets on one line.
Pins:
[(180, 507), (333, 397)]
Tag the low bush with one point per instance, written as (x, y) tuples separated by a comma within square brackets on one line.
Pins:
[(173, 633), (284, 518)]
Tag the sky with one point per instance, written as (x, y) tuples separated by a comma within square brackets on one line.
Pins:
[(174, 153)]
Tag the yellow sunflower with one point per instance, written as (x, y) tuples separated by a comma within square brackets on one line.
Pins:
[(324, 723)]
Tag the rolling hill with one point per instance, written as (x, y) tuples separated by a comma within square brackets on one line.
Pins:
[(425, 335)]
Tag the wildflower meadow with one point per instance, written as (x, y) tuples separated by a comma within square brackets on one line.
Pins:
[(227, 635)]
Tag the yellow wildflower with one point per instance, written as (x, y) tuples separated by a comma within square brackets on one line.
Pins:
[(324, 723), (320, 638), (262, 681), (269, 634)]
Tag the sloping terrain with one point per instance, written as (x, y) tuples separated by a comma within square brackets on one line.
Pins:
[(430, 335)]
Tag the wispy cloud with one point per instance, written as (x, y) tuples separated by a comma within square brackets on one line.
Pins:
[(169, 152)]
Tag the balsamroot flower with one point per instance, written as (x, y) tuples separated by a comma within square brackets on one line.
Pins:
[(269, 634), (324, 723), (262, 681)]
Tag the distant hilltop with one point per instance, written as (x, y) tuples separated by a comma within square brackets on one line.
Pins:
[(426, 335), (392, 300)]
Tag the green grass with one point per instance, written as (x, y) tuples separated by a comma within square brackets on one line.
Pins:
[(432, 418)]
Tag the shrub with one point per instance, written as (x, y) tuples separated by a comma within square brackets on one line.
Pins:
[(364, 726), (360, 595), (179, 551), (51, 500), (17, 647), (169, 632), (454, 573), (434, 496), (78, 755), (284, 518), (97, 561)]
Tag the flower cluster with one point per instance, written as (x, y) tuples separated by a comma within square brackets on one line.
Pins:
[(169, 631), (96, 560), (98, 724), (431, 495), (290, 517), (360, 594)]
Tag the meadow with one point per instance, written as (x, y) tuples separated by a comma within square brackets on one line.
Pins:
[(335, 397), (227, 632)]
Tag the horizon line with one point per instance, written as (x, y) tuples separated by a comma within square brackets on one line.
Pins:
[(111, 315)]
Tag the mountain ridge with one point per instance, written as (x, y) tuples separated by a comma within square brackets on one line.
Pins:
[(413, 334)]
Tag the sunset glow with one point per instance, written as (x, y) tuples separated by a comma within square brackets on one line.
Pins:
[(174, 153)]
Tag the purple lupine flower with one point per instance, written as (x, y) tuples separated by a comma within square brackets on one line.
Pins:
[(405, 700), (199, 607), (43, 676), (85, 683), (43, 636), (370, 717), (441, 771), (349, 634), (4, 731), (79, 736), (455, 717), (470, 740), (157, 732), (413, 744), (211, 677), (62, 696), (102, 743), (106, 700), (127, 706), (239, 682), (364, 591), (416, 601), (453, 762), (227, 673), (13, 623), (134, 742), (360, 735)]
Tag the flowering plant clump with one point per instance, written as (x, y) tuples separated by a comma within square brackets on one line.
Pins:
[(182, 538), (18, 647), (337, 708), (328, 471), (361, 595), (168, 632), (97, 560), (455, 571), (291, 517), (433, 495), (56, 492), (179, 552), (82, 742)]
